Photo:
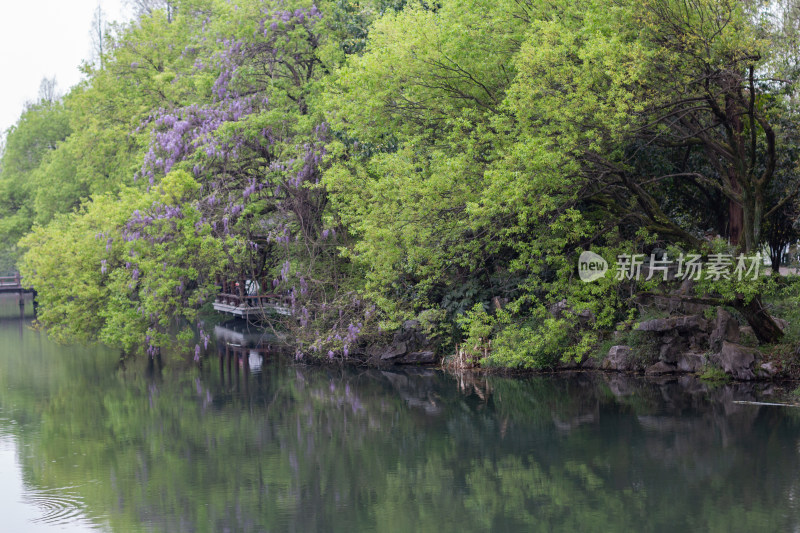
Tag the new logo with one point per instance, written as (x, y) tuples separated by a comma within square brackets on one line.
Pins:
[(591, 266)]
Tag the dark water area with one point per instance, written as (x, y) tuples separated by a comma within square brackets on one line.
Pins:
[(253, 441)]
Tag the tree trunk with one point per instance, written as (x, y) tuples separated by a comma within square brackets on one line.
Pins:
[(775, 256), (765, 328), (758, 215), (735, 223)]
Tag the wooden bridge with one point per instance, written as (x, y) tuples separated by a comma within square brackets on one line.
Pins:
[(12, 284), (244, 298)]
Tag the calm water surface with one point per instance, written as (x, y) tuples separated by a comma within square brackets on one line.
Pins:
[(88, 444)]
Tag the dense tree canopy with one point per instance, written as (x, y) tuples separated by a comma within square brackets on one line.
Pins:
[(385, 160)]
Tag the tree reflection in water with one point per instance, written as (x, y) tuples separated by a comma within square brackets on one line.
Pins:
[(165, 446)]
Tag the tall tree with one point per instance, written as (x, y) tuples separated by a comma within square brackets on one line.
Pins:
[(97, 33), (47, 90), (147, 7), (38, 132), (559, 125), (689, 76)]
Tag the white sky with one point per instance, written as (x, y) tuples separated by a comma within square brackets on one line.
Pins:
[(44, 38)]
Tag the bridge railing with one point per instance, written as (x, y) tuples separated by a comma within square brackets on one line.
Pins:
[(233, 293), (12, 280), (257, 300)]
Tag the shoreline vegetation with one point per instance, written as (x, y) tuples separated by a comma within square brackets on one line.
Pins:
[(417, 179)]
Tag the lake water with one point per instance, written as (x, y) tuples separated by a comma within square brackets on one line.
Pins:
[(90, 444)]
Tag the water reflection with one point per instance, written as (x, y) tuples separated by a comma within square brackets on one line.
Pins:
[(57, 506), (251, 441)]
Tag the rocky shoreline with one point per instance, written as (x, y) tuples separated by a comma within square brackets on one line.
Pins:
[(672, 345), (692, 344), (685, 336), (688, 344)]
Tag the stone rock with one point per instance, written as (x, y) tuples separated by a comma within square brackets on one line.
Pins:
[(672, 345), (691, 308), (687, 286), (746, 331), (783, 324), (618, 358), (725, 328), (767, 370), (677, 335), (426, 357), (691, 362), (656, 325), (736, 360), (586, 317), (675, 323), (410, 325), (690, 323), (394, 350), (659, 369), (558, 308), (409, 346)]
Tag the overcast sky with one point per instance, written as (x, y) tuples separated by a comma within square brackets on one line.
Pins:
[(44, 38)]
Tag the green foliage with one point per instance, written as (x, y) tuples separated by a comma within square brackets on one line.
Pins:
[(784, 305), (644, 347), (538, 346), (461, 161), (407, 206), (746, 286), (384, 161), (81, 265), (714, 375), (29, 144), (478, 328)]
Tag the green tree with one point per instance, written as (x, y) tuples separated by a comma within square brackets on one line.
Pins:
[(504, 137), (31, 140)]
